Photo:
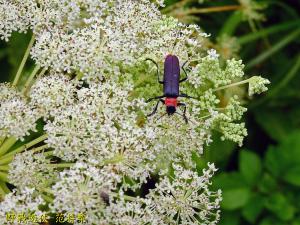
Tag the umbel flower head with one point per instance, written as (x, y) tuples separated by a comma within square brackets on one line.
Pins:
[(184, 198), (98, 144)]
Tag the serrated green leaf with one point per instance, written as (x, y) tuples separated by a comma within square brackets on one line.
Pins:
[(250, 166)]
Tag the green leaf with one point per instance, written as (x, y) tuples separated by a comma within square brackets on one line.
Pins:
[(228, 181), (253, 209), (267, 184), (279, 159), (235, 198), (250, 166), (292, 175), (280, 206)]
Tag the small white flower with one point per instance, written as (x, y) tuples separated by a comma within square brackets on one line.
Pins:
[(212, 54)]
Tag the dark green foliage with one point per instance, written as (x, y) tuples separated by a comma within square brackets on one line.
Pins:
[(263, 190)]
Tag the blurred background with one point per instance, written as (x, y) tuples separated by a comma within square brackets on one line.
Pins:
[(261, 180)]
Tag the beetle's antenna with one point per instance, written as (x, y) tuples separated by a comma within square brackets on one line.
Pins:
[(175, 42), (161, 117), (185, 118)]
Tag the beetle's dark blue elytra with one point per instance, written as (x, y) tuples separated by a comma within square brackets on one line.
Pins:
[(171, 76), (171, 81)]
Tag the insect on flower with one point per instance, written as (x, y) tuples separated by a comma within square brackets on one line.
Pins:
[(171, 81)]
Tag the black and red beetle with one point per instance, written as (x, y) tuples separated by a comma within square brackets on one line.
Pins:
[(171, 81)]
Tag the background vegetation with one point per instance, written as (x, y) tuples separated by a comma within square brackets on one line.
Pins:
[(261, 181)]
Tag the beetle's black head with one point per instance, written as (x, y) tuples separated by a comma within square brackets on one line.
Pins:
[(171, 110)]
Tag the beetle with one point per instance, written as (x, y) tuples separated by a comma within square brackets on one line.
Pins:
[(170, 82)]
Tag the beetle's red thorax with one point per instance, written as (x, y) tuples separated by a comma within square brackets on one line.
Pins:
[(171, 102)]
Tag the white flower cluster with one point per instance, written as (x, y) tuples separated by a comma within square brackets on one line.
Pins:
[(31, 170), (184, 198), (17, 117), (50, 93), (87, 36), (83, 189), (24, 202), (257, 85)]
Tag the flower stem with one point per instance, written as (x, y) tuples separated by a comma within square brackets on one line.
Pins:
[(2, 139), (267, 31), (4, 168), (6, 160), (29, 80), (28, 145), (7, 144), (25, 57), (48, 153), (214, 9), (3, 176), (232, 85), (79, 76), (2, 192), (47, 198), (4, 187), (40, 148)]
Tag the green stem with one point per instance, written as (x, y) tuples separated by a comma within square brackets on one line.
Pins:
[(61, 165), (274, 29), (49, 153), (29, 80), (213, 9), (47, 190), (116, 159), (231, 24), (4, 187), (25, 57), (266, 54), (232, 85), (28, 145), (47, 198), (38, 149), (2, 139), (4, 167), (3, 176), (2, 193), (7, 144), (79, 76), (6, 160)]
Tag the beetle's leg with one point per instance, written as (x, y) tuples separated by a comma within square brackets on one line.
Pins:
[(184, 111), (183, 95), (186, 76), (155, 108), (148, 59), (157, 97)]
